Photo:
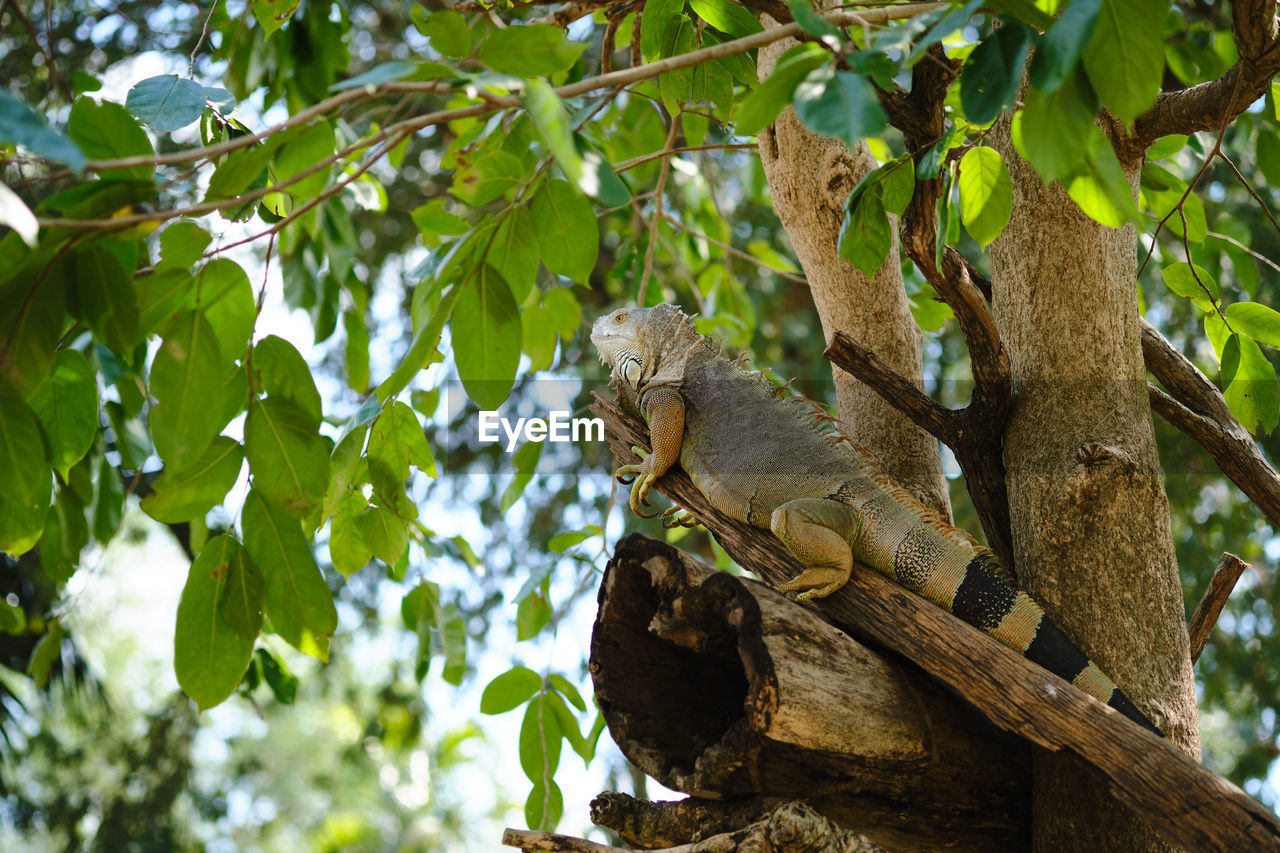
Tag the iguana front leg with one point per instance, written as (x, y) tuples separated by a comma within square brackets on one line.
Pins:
[(663, 408)]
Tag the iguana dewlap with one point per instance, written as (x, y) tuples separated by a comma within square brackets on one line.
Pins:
[(762, 462)]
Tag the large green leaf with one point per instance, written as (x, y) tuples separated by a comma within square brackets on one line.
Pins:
[(1249, 385), (986, 193), (549, 117), (1193, 282), (66, 404), (103, 296), (106, 131), (1125, 56), (1054, 127), (226, 300), (676, 86), (568, 232), (30, 329), (531, 50), (840, 105), (24, 126), (514, 252), (758, 109), (486, 338), (344, 467), (1256, 320), (347, 551), (726, 16), (280, 371), (287, 457), (209, 656), (658, 14), (181, 245), (1059, 51), (448, 31), (298, 601), (302, 152), (272, 14), (396, 441), (487, 177), (510, 690), (384, 532), (187, 383), (167, 102), (183, 495), (26, 480), (991, 75), (865, 235)]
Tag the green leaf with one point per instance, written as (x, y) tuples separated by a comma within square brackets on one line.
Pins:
[(1267, 151), (525, 462), (448, 32), (209, 656), (432, 219), (300, 153), (347, 550), (568, 725), (187, 383), (658, 14), (47, 650), (1100, 187), (283, 684), (181, 245), (1249, 385), (272, 14), (13, 619), (950, 22), (514, 252), (1166, 146), (676, 86), (344, 463), (1125, 56), (280, 371), (865, 235), (243, 598), (453, 642), (66, 532), (287, 457), (66, 404), (566, 689), (187, 494), (160, 296), (24, 126), (804, 14), (1060, 49), (1255, 320), (487, 177), (562, 542), (992, 73), (167, 102), (486, 338), (396, 441), (532, 615), (539, 741), (727, 16), (396, 69), (225, 299), (551, 120), (103, 296), (106, 131), (1194, 282), (568, 232), (356, 351), (898, 183), (986, 194), (545, 805), (1055, 126), (840, 105), (510, 690), (384, 533), (298, 601), (530, 50)]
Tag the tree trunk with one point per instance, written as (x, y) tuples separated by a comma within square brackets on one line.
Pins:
[(810, 177), (1091, 529)]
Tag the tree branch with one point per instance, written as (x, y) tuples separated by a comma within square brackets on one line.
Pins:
[(1229, 569), (1208, 106), (1186, 803)]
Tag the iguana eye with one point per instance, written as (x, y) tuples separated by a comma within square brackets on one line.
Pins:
[(618, 318)]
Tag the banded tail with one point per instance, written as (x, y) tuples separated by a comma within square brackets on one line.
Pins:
[(986, 601)]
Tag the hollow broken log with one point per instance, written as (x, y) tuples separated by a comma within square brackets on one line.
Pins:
[(720, 687)]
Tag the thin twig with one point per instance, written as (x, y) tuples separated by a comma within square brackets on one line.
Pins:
[(1249, 250), (1229, 569), (737, 253), (657, 211), (204, 33), (626, 165)]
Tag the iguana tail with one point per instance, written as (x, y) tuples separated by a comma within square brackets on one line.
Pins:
[(985, 600)]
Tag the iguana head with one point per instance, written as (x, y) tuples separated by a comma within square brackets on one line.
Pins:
[(635, 341)]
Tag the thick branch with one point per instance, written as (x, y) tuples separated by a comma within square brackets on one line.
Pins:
[(1210, 106), (776, 703), (1229, 569), (1185, 802)]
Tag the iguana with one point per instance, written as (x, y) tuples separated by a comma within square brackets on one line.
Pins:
[(763, 462)]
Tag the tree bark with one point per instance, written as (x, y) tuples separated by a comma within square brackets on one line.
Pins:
[(810, 177), (774, 702), (1090, 519)]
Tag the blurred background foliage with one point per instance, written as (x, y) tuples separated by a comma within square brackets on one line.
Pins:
[(384, 747)]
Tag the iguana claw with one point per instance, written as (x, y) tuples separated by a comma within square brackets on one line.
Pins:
[(678, 516), (641, 480)]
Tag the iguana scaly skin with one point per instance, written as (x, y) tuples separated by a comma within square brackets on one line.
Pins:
[(762, 462)]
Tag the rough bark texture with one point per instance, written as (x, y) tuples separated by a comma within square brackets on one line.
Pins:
[(776, 703), (1091, 529), (809, 178)]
